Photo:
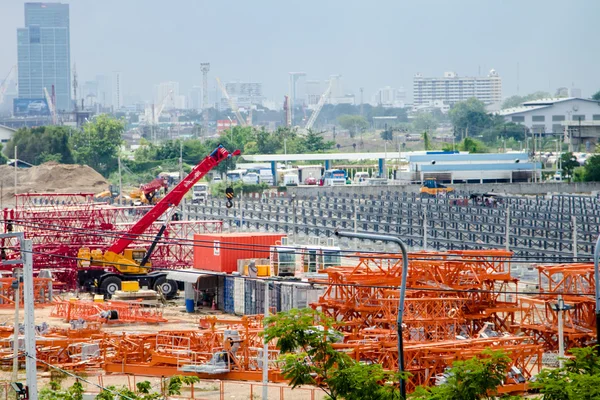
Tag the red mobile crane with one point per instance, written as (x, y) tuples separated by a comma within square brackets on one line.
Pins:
[(106, 270)]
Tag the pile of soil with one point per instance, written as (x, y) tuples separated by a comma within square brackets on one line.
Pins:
[(51, 177)]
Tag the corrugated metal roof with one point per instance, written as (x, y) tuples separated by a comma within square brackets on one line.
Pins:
[(189, 276)]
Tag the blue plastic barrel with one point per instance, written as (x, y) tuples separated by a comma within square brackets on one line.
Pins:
[(189, 305)]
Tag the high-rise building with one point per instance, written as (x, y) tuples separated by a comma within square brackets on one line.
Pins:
[(117, 92), (43, 52), (243, 93), (195, 98), (104, 89), (453, 88), (389, 97), (314, 90)]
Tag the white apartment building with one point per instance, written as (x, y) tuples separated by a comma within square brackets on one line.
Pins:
[(452, 88)]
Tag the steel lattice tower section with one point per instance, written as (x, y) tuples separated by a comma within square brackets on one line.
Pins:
[(205, 67)]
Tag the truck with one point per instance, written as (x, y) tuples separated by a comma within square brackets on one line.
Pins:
[(104, 271), (199, 193)]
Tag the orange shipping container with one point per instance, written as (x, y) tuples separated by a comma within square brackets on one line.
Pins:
[(220, 252)]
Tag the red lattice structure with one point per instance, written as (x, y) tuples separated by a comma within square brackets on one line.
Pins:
[(60, 224)]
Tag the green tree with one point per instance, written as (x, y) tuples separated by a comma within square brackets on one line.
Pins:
[(477, 378), (596, 96), (578, 379), (425, 121), (3, 158), (353, 123), (98, 144), (314, 142), (42, 144), (516, 101), (387, 134), (592, 169), (472, 146), (304, 338), (469, 118), (568, 162), (426, 140)]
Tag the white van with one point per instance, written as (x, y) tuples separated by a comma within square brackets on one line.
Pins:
[(290, 180)]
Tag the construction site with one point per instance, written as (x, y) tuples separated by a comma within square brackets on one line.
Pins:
[(124, 292)]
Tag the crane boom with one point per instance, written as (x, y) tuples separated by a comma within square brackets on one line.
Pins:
[(173, 198), (232, 104), (315, 114), (51, 106)]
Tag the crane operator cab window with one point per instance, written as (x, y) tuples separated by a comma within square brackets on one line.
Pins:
[(138, 255)]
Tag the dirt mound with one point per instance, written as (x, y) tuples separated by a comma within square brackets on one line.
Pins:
[(51, 177)]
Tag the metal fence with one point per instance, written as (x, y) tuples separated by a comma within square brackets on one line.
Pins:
[(550, 226)]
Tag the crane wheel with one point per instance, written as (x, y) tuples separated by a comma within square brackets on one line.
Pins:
[(110, 285), (166, 286)]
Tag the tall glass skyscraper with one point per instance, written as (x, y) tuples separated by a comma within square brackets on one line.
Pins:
[(44, 53)]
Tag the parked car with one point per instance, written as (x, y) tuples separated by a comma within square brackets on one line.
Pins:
[(311, 180)]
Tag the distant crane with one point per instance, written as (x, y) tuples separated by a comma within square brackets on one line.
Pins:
[(4, 83), (161, 107), (51, 106), (315, 113), (232, 104)]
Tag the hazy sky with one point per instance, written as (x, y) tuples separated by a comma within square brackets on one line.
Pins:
[(370, 43)]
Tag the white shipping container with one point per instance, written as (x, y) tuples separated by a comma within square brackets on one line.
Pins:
[(239, 298)]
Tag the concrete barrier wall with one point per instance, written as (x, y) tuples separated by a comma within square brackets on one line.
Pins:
[(509, 188)]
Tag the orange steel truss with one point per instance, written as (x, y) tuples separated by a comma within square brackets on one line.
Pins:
[(359, 297), (90, 311), (538, 319)]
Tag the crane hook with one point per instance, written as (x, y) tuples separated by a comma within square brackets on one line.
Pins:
[(229, 194)]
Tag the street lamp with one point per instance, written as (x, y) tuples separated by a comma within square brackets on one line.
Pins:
[(392, 239), (561, 307)]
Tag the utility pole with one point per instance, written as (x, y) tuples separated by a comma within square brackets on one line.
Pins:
[(180, 160), (361, 100), (17, 298), (579, 144), (265, 371), (16, 163), (120, 183), (29, 299)]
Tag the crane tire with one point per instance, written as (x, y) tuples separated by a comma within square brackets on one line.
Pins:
[(110, 285), (166, 286)]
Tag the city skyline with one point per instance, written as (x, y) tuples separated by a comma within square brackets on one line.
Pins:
[(262, 43)]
